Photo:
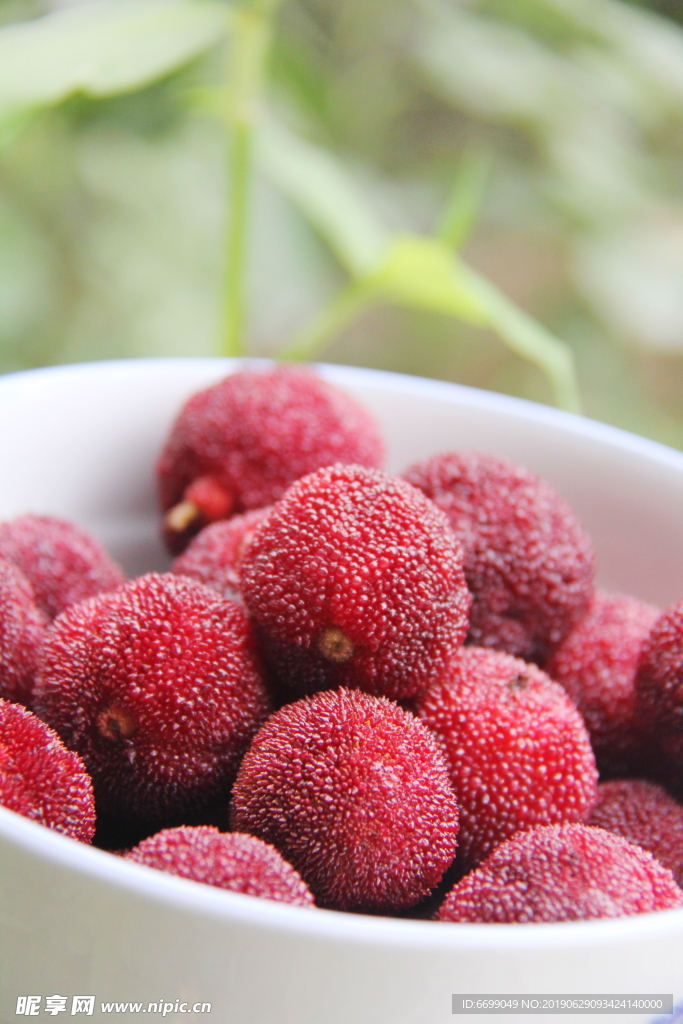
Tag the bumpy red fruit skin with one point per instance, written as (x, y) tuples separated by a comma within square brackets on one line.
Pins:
[(517, 749), (562, 873), (596, 664), (354, 792), (355, 579), (645, 814), (22, 628), (257, 431), (157, 686), (40, 778), (232, 860), (214, 557), (659, 698), (62, 562), (528, 563)]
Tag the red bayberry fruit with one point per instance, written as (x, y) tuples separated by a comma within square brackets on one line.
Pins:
[(645, 814), (355, 579), (40, 778), (157, 686), (517, 749), (659, 697), (234, 861), (354, 792), (562, 873), (63, 563), (239, 444), (214, 557), (528, 563), (596, 664), (22, 627)]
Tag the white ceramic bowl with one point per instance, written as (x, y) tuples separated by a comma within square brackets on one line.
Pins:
[(81, 442)]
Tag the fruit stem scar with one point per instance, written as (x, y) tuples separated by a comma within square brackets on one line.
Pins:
[(116, 723), (335, 645)]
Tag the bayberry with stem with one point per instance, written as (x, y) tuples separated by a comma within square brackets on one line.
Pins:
[(355, 579), (157, 686)]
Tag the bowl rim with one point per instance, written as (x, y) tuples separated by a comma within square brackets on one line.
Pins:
[(387, 381), (185, 895)]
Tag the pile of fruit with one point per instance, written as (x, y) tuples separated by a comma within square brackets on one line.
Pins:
[(352, 690)]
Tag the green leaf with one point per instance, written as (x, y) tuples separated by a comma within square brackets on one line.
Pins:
[(414, 271), (13, 122), (423, 273), (317, 183), (101, 48)]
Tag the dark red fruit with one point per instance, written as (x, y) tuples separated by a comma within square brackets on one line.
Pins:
[(232, 860), (239, 444), (659, 697), (354, 792), (40, 778), (562, 873), (214, 556), (528, 563), (22, 628), (596, 664), (63, 563), (517, 749), (157, 686), (645, 814), (355, 579)]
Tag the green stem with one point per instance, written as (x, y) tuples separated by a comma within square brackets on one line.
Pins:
[(234, 297), (332, 319), (251, 31), (467, 194), (527, 338)]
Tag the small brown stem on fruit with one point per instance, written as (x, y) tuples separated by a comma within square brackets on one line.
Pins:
[(518, 682), (116, 723), (182, 516), (335, 645)]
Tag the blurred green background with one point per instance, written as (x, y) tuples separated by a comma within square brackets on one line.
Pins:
[(113, 211)]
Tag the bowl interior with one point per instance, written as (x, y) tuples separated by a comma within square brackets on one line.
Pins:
[(82, 442)]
